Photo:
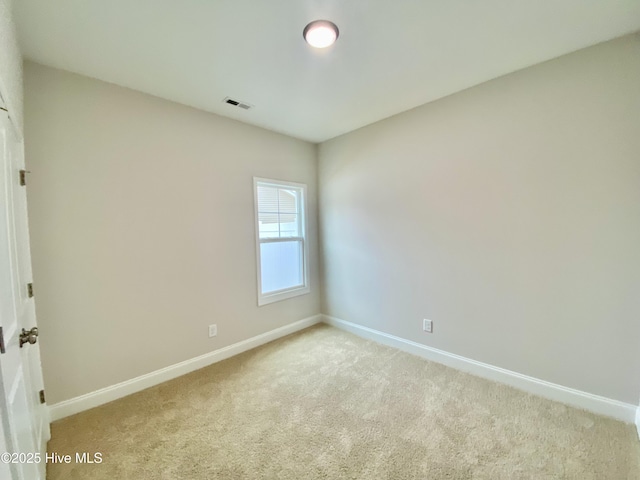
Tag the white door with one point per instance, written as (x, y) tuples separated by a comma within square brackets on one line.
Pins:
[(24, 421)]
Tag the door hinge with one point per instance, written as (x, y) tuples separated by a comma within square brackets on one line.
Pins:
[(42, 399), (30, 290), (2, 350), (23, 177)]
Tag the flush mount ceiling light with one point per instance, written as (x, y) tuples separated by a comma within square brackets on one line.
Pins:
[(321, 33)]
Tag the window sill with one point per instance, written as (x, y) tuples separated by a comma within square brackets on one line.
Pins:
[(283, 295)]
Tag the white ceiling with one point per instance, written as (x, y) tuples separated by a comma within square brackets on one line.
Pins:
[(391, 55)]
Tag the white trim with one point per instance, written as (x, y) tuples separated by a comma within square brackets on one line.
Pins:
[(122, 389), (7, 105), (283, 295), (638, 421), (303, 213), (570, 396)]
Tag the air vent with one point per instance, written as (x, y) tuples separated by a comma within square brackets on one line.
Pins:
[(237, 103)]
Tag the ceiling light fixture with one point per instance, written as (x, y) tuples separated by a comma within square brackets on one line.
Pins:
[(321, 33)]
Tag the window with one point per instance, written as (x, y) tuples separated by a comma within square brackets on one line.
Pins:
[(281, 240)]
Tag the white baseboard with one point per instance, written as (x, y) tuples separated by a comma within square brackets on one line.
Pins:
[(119, 390), (587, 401), (594, 403)]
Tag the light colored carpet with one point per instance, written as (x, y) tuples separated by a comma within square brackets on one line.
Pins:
[(326, 404)]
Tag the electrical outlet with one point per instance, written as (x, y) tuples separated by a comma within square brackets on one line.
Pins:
[(213, 330), (427, 325)]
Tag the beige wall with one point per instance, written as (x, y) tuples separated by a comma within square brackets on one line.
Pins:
[(142, 227), (509, 214), (10, 65)]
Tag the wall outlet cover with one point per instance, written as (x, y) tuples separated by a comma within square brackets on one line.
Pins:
[(213, 330), (427, 325)]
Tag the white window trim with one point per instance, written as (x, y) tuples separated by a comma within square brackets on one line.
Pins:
[(294, 291)]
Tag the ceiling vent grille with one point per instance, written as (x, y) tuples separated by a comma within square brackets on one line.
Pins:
[(237, 103)]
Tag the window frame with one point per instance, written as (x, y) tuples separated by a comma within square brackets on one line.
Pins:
[(278, 295)]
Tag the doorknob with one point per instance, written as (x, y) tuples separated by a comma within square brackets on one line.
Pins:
[(29, 336)]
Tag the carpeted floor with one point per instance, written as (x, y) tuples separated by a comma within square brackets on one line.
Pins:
[(326, 404)]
